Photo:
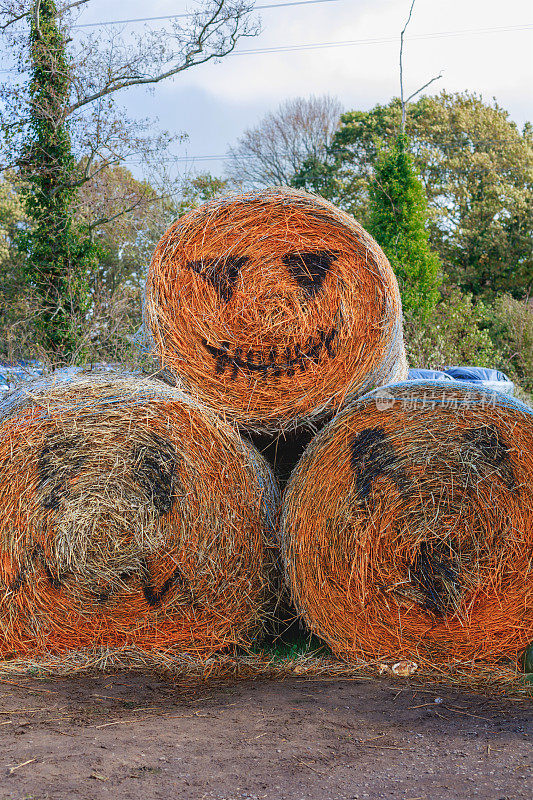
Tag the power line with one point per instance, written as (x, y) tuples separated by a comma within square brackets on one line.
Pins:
[(181, 16), (439, 144), (356, 42), (350, 43)]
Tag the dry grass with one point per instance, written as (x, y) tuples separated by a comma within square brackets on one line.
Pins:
[(130, 517), (505, 679), (408, 528), (274, 307)]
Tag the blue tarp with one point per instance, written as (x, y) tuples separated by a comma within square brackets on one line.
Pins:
[(475, 374), (11, 375), (482, 376), (14, 373), (428, 375)]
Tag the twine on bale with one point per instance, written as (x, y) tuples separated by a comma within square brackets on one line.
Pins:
[(130, 518), (408, 527), (273, 307)]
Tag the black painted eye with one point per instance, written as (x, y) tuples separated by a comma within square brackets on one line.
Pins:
[(309, 270), (221, 273), (372, 455), (488, 445), (58, 460), (154, 467)]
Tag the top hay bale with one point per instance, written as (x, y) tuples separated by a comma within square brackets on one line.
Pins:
[(273, 307)]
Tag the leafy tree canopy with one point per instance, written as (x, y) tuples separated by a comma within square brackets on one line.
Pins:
[(476, 167)]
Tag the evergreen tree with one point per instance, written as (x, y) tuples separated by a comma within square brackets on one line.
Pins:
[(58, 256), (398, 221)]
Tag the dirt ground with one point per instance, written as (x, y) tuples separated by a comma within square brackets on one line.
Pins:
[(132, 735)]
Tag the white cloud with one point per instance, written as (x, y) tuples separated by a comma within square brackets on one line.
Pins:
[(215, 102)]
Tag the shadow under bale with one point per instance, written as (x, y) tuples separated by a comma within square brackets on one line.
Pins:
[(408, 526), (130, 518)]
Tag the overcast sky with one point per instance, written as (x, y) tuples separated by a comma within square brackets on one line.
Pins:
[(214, 103)]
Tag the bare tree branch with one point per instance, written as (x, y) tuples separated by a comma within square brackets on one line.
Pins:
[(191, 47), (73, 5), (36, 20), (414, 94), (276, 149), (86, 174), (401, 65), (105, 220), (18, 16), (13, 20), (436, 78)]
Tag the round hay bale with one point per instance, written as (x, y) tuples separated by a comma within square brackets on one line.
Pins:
[(130, 517), (407, 527), (273, 307)]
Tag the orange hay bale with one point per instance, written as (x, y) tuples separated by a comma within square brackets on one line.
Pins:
[(130, 517), (408, 526), (273, 307)]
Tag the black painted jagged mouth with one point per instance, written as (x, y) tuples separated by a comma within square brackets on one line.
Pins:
[(437, 576), (153, 596), (275, 362)]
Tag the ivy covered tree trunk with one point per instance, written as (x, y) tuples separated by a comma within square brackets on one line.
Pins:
[(71, 92), (398, 222), (58, 258)]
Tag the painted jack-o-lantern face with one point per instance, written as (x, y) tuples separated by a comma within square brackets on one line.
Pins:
[(273, 307), (408, 531), (129, 518)]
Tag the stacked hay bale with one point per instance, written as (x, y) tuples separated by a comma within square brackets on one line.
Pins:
[(273, 308), (408, 526), (134, 516), (129, 517)]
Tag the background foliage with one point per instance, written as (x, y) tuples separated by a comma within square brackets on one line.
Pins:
[(467, 181), (61, 130), (477, 171)]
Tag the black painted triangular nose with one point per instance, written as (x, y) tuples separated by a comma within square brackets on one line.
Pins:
[(309, 270)]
